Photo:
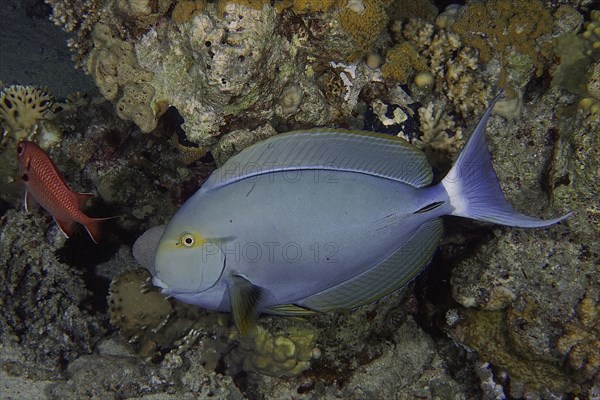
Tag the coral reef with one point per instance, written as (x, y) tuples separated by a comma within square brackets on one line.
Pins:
[(457, 69), (236, 141), (535, 291), (240, 71), (44, 302), (210, 73)]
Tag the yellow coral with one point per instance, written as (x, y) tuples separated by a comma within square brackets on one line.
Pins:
[(114, 67), (592, 34), (21, 107), (187, 9), (366, 26), (487, 333), (402, 62), (280, 355), (307, 6)]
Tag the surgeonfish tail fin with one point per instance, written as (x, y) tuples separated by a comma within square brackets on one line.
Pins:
[(473, 186)]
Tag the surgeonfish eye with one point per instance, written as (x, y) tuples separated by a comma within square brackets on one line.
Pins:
[(187, 239)]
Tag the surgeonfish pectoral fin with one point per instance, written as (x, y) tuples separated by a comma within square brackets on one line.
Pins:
[(67, 227), (474, 189), (245, 300)]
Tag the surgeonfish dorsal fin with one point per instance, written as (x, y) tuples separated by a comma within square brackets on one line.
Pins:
[(245, 300), (370, 153)]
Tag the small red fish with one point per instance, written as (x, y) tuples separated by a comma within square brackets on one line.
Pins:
[(44, 182)]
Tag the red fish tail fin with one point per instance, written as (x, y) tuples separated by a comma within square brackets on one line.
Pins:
[(82, 199), (92, 226)]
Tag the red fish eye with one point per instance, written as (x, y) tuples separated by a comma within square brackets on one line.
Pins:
[(20, 149)]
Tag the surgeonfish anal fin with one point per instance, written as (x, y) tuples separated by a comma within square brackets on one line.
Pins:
[(245, 300)]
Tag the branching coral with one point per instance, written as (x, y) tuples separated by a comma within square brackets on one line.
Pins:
[(438, 131), (455, 67)]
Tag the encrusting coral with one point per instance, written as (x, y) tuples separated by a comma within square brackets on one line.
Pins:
[(487, 333), (145, 317), (365, 22), (153, 324), (581, 339), (113, 65), (281, 355)]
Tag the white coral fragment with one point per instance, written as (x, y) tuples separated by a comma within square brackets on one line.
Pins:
[(436, 130)]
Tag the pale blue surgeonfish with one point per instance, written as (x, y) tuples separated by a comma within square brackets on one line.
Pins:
[(318, 220)]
